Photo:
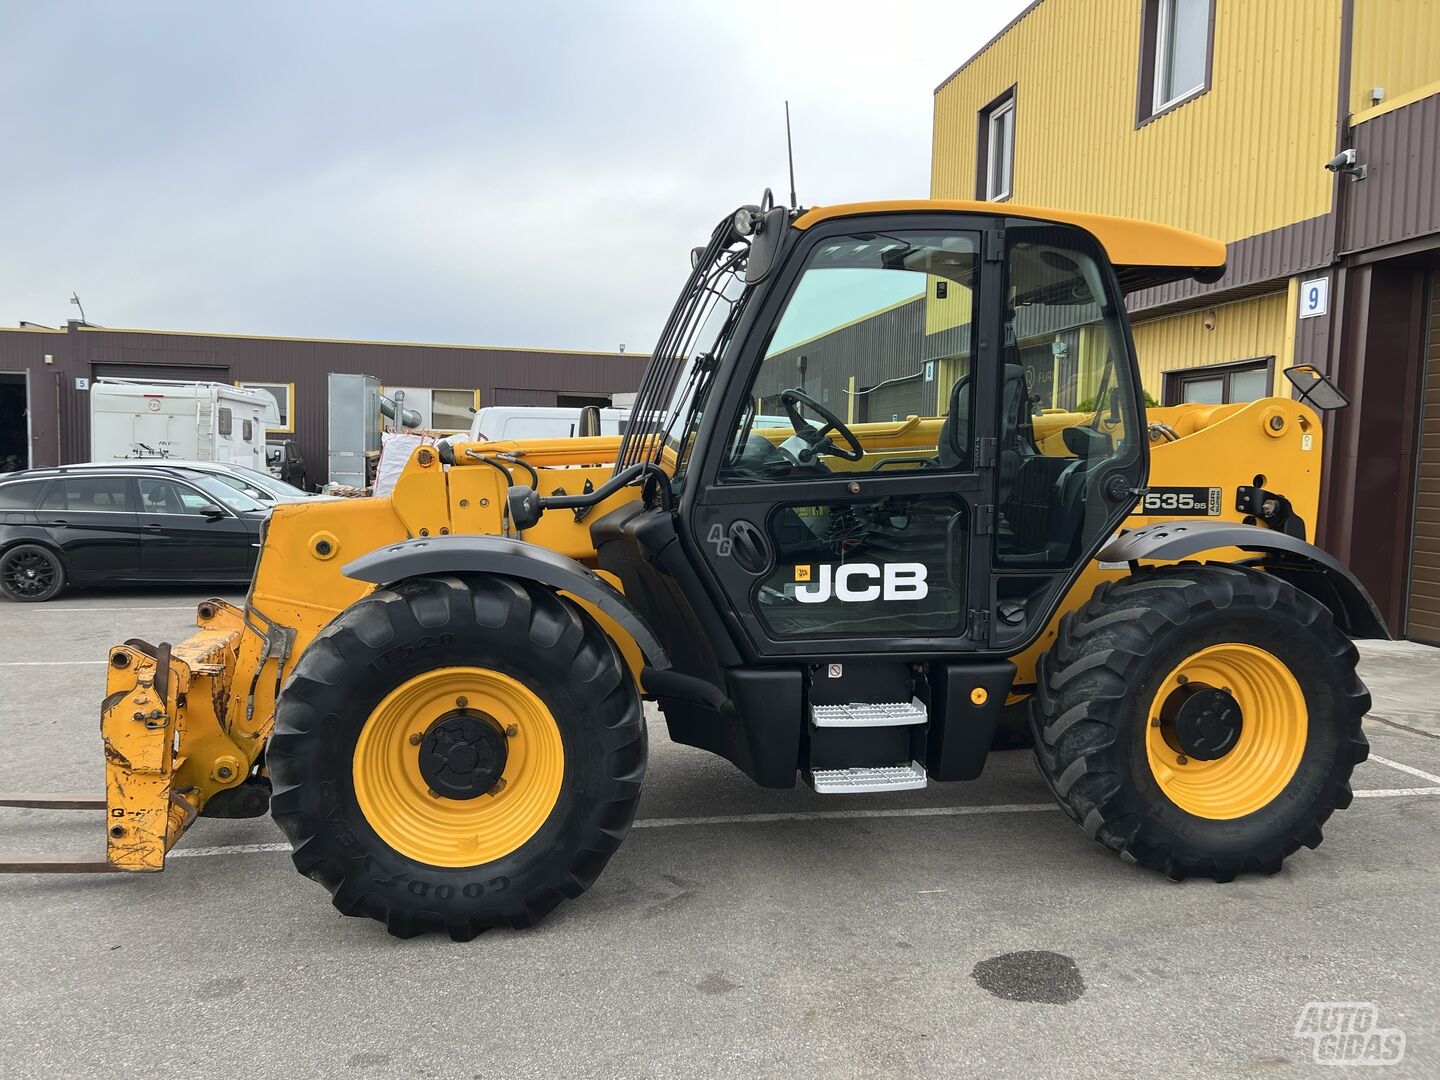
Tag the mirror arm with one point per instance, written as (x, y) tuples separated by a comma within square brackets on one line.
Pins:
[(526, 506)]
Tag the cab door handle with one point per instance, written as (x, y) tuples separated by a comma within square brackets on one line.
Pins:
[(748, 545)]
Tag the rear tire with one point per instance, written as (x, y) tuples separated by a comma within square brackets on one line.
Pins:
[(31, 574), (343, 742), (1113, 762)]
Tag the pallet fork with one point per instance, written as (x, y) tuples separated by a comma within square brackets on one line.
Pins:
[(171, 748)]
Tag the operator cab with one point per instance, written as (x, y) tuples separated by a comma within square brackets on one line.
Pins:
[(962, 429)]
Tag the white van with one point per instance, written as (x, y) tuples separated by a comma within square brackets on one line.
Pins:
[(503, 423), (185, 420)]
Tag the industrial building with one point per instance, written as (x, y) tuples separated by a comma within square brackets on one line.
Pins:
[(1220, 116), (45, 376)]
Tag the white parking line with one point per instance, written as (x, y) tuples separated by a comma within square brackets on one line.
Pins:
[(51, 609), (801, 815), (719, 819), (49, 663), (1405, 768), (1390, 793), (843, 815), (226, 849)]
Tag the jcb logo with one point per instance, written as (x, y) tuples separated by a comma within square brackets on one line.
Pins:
[(859, 583)]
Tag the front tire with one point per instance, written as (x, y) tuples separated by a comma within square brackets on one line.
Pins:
[(1202, 720), (31, 574), (453, 755)]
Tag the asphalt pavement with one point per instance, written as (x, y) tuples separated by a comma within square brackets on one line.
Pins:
[(966, 930)]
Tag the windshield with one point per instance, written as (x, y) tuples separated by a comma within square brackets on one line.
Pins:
[(693, 345), (267, 483), (223, 493), (240, 484)]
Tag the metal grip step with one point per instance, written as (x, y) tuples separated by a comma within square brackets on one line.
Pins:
[(864, 779), (861, 714)]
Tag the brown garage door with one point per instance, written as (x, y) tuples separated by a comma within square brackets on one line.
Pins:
[(896, 399), (162, 372), (1423, 622)]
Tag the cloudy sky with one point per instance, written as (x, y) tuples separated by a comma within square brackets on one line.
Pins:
[(527, 173)]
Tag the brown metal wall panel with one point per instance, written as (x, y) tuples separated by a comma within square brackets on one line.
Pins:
[(82, 351), (1423, 615), (885, 350), (1369, 468), (512, 395), (23, 351), (1400, 198)]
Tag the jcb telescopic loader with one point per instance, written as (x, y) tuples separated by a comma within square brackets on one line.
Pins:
[(889, 470)]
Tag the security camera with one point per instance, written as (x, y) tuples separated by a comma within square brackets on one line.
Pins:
[(1341, 160), (1344, 162)]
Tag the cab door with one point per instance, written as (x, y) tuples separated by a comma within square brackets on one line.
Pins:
[(832, 521), (931, 430)]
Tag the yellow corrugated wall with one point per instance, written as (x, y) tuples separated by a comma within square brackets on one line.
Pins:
[(1396, 47), (1241, 159), (1244, 330)]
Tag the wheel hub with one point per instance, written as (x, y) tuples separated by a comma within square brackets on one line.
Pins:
[(1202, 722), (463, 755)]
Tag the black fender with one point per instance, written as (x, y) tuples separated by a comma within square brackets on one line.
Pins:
[(508, 558), (1302, 564)]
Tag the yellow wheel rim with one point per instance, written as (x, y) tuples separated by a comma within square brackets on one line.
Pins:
[(399, 803), (1257, 767)]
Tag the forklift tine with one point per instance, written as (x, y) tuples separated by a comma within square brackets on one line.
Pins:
[(54, 864), (51, 802)]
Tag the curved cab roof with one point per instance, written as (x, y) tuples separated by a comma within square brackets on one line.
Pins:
[(1144, 253)]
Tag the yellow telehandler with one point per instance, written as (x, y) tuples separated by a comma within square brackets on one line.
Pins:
[(889, 471)]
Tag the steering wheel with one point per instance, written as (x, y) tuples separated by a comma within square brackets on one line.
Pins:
[(819, 442)]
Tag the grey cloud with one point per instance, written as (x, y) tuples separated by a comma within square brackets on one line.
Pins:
[(493, 173)]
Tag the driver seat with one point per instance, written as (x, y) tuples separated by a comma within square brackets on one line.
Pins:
[(955, 431)]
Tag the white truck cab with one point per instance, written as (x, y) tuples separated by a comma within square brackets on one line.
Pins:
[(503, 423)]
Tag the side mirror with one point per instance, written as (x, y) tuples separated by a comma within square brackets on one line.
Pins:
[(523, 505), (212, 513), (765, 248), (589, 422), (1313, 387)]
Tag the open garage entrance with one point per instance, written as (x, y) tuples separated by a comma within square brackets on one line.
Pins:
[(14, 421)]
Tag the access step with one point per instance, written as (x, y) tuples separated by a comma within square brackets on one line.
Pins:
[(865, 779), (864, 714)]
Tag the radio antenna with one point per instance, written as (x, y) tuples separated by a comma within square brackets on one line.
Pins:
[(790, 153)]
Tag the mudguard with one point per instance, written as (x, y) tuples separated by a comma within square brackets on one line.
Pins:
[(508, 558), (1302, 564)]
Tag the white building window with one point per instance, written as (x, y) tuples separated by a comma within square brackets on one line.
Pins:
[(998, 140), (1220, 384), (439, 409), (284, 395), (1181, 48)]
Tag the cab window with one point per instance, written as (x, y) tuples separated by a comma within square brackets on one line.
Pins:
[(1067, 421), (869, 365)]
